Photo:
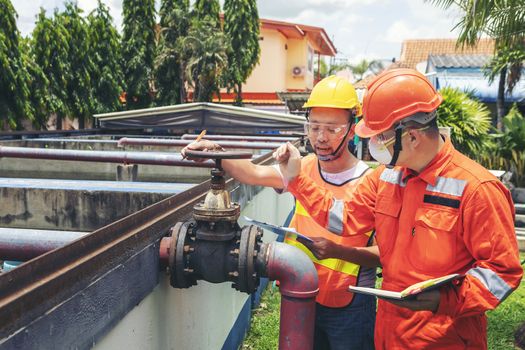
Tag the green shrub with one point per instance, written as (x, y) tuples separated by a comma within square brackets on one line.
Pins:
[(469, 121), (508, 151)]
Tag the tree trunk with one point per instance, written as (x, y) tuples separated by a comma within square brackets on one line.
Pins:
[(59, 122), (500, 101), (238, 100), (182, 97)]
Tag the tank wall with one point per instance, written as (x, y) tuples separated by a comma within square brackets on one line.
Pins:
[(200, 317)]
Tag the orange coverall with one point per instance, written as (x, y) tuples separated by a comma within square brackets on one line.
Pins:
[(453, 217)]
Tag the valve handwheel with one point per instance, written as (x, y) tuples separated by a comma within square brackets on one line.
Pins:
[(218, 155)]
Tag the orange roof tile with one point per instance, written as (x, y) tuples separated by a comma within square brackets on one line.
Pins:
[(417, 50)]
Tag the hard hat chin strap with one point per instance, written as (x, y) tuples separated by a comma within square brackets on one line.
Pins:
[(397, 147)]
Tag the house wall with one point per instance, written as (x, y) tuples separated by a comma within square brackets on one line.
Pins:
[(298, 57), (269, 75), (279, 55)]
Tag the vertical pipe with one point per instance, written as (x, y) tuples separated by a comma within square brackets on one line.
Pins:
[(298, 285)]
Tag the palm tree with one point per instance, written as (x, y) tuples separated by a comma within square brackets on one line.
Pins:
[(502, 20), (469, 120), (505, 22), (364, 66), (205, 58)]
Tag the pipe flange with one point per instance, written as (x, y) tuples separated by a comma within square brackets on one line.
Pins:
[(248, 280), (242, 263), (252, 280), (179, 277)]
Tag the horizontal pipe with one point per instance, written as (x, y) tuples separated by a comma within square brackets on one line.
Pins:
[(22, 244), (242, 138), (151, 158), (181, 143)]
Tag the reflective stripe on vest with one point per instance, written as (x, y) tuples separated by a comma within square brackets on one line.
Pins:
[(392, 176), (495, 284), (335, 217), (447, 185)]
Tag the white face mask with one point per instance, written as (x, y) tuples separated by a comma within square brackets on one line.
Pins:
[(379, 152)]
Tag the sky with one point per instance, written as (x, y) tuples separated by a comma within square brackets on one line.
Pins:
[(359, 29)]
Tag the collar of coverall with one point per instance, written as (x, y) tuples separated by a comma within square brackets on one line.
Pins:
[(435, 167)]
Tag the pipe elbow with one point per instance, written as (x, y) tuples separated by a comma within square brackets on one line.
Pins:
[(295, 272)]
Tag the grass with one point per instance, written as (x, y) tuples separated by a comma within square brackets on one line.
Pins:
[(264, 332)]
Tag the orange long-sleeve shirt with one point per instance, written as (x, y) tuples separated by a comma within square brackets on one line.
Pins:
[(453, 217)]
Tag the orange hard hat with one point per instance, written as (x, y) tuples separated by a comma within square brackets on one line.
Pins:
[(395, 95)]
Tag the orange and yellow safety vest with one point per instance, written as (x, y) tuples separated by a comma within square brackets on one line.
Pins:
[(335, 275)]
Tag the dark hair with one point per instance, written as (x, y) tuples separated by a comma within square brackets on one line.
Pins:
[(431, 127)]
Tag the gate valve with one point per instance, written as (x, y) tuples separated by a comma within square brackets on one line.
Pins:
[(214, 247)]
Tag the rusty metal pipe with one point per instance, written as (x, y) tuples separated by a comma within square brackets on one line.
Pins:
[(22, 245), (242, 138), (171, 159), (181, 143), (298, 285)]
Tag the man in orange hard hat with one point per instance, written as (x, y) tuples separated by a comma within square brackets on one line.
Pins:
[(343, 320), (435, 212)]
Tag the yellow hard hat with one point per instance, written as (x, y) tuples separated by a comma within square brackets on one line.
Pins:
[(334, 92)]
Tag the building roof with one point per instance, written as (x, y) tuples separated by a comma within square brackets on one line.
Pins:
[(459, 61), (317, 36), (416, 51), (480, 87), (294, 100), (201, 115)]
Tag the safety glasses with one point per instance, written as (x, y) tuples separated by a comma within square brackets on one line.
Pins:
[(332, 131), (389, 137)]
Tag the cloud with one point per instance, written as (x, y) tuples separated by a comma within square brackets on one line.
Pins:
[(282, 9), (359, 28)]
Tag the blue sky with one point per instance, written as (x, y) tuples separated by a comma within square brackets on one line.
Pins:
[(372, 29)]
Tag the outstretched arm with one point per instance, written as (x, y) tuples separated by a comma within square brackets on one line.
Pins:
[(242, 170), (341, 217)]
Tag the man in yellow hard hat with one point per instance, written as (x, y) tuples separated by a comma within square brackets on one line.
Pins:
[(343, 320)]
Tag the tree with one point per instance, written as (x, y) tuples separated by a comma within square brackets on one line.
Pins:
[(507, 64), (78, 86), (138, 51), (505, 22), (320, 68), (364, 66), (169, 68), (502, 20), (49, 48), (205, 55), (14, 93), (241, 26), (107, 77), (208, 11), (38, 85)]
